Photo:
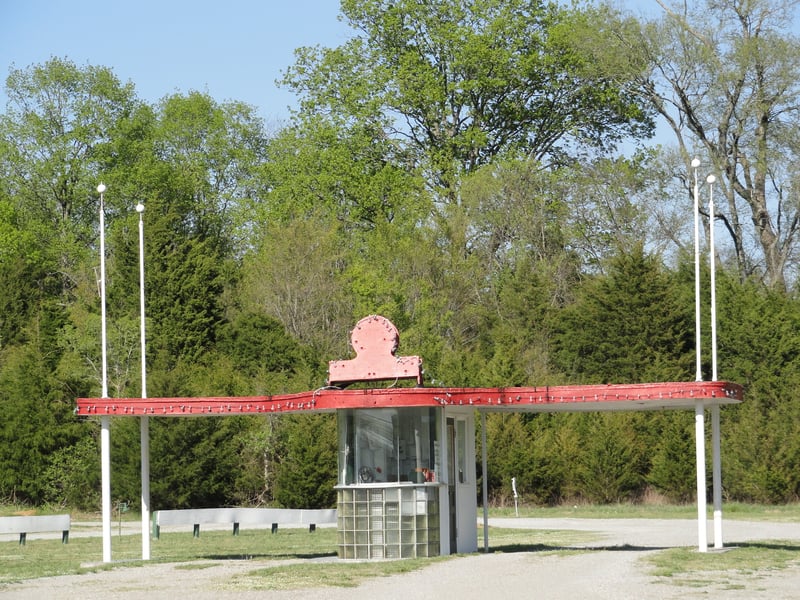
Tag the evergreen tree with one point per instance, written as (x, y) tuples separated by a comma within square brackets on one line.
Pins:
[(613, 459), (672, 456), (759, 347), (308, 472), (38, 420), (628, 327)]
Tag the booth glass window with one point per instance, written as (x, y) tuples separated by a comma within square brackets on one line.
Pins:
[(388, 445)]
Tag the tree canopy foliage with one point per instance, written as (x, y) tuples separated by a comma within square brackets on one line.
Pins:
[(455, 167), (460, 83), (722, 76)]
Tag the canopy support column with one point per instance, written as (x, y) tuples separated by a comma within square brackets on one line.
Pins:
[(700, 449), (717, 476), (485, 485), (105, 474), (144, 434)]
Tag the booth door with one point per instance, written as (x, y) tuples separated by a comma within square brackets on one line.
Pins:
[(462, 491)]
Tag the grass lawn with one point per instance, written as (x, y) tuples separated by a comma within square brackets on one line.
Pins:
[(734, 568), (787, 513), (44, 558)]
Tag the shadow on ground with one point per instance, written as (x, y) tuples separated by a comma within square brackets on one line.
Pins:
[(268, 555), (511, 548)]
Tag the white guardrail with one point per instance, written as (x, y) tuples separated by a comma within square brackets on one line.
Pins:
[(242, 516), (36, 524)]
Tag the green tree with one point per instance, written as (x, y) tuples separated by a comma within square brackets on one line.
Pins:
[(54, 141), (333, 222), (723, 76), (446, 90), (628, 327), (440, 90), (57, 134), (38, 419), (296, 277), (261, 448), (352, 174), (194, 463), (209, 155), (72, 477), (256, 344), (506, 440), (759, 347), (465, 82), (196, 180), (672, 462), (613, 461), (521, 448), (307, 474)]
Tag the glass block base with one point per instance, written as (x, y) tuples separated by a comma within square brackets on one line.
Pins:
[(399, 521)]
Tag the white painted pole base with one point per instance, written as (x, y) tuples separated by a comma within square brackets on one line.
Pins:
[(485, 486), (717, 476), (105, 474), (700, 449), (145, 442)]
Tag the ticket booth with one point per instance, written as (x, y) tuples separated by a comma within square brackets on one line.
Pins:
[(406, 485), (406, 482)]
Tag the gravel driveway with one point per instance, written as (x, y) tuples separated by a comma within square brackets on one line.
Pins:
[(615, 571)]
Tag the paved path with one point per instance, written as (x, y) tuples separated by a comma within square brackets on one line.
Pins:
[(613, 571)]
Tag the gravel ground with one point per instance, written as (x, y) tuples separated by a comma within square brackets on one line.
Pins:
[(616, 571)]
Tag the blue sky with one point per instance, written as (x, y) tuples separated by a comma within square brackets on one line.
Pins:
[(233, 50)]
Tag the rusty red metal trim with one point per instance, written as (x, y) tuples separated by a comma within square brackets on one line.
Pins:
[(642, 396)]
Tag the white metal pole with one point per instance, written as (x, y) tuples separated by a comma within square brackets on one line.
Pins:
[(716, 475), (105, 421), (105, 475), (700, 449), (485, 485), (711, 179), (699, 369), (144, 432), (715, 427)]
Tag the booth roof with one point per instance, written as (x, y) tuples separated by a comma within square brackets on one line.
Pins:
[(569, 398)]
